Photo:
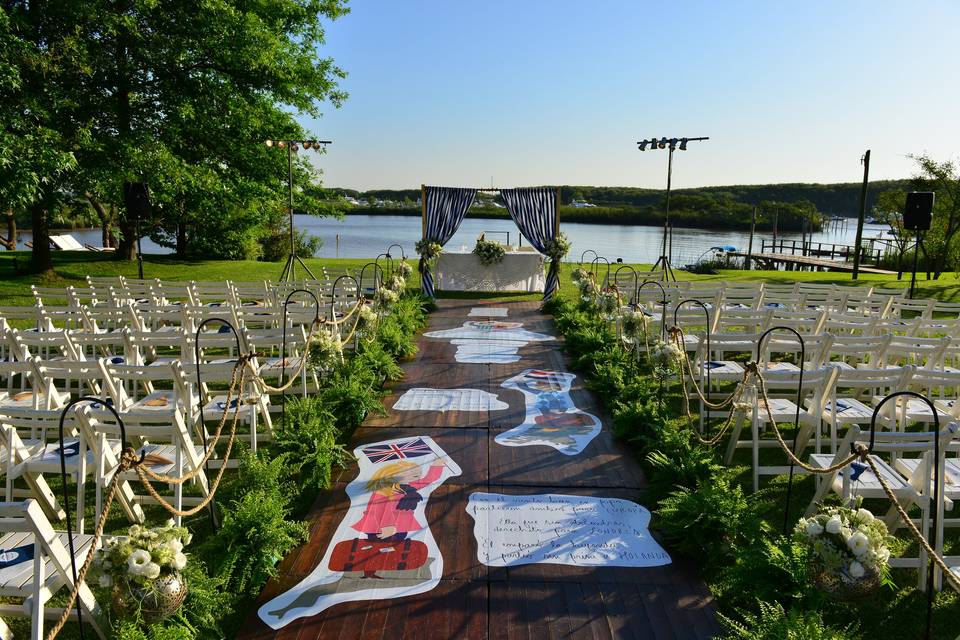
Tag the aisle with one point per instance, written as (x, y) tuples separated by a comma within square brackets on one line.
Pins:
[(474, 599)]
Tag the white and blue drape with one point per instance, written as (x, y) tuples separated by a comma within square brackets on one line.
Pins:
[(534, 210), (444, 210)]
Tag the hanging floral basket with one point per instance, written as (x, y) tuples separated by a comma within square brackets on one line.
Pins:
[(844, 587), (155, 601), (849, 550)]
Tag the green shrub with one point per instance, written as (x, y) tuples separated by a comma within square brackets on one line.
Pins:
[(374, 358), (307, 436), (349, 398), (255, 533), (771, 569), (774, 623)]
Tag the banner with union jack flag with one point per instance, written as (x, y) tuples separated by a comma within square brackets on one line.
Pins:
[(397, 450)]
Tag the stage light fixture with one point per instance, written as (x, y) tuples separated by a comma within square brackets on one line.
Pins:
[(643, 145), (663, 142), (683, 144), (673, 144), (269, 143), (307, 144), (281, 143)]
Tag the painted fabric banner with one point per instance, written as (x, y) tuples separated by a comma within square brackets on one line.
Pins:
[(383, 548), (580, 531), (425, 399), (534, 210), (551, 417), (444, 210), (485, 341)]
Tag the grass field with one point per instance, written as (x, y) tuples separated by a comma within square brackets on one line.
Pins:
[(72, 267)]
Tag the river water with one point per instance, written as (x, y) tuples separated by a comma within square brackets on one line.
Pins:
[(364, 236)]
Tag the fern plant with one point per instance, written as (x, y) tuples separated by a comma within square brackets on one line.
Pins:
[(774, 623)]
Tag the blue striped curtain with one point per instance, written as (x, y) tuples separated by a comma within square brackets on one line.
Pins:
[(534, 211), (445, 209)]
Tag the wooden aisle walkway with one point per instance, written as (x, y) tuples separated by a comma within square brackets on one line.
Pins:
[(472, 599)]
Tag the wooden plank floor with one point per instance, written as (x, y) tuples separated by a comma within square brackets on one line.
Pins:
[(509, 603)]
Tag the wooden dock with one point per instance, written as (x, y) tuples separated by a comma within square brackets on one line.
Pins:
[(771, 260), (473, 599)]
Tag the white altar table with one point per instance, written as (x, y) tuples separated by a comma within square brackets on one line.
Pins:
[(518, 271)]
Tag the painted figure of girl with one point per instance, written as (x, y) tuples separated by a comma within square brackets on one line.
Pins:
[(394, 497)]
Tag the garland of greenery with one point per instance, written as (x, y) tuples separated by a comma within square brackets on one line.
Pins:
[(428, 248), (489, 252), (557, 247)]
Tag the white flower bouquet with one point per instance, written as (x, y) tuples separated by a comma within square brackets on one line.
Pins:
[(397, 283), (143, 568), (580, 275), (325, 348), (609, 303), (385, 298), (664, 357), (403, 269), (366, 320), (633, 325), (849, 549)]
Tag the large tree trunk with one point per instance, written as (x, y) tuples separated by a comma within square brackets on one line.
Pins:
[(10, 242), (105, 220), (181, 239), (40, 260), (136, 205)]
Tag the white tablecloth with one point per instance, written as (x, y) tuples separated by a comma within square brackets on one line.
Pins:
[(518, 271)]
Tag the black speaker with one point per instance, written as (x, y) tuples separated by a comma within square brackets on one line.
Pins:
[(918, 211)]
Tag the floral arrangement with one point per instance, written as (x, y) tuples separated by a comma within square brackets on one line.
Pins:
[(403, 269), (558, 247), (143, 556), (326, 348), (580, 275), (488, 252), (428, 248), (588, 289), (384, 298), (665, 357), (397, 283), (847, 546), (633, 325), (366, 320), (609, 303)]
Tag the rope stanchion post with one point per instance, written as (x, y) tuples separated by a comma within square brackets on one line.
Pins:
[(616, 275), (663, 304), (377, 269), (796, 420), (387, 259), (937, 499), (127, 460), (704, 365), (593, 269), (582, 255), (283, 344), (201, 428)]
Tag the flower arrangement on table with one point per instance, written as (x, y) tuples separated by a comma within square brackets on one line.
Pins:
[(849, 550), (143, 568), (557, 247), (488, 252)]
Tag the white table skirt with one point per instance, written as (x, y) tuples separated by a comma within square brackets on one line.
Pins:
[(518, 271)]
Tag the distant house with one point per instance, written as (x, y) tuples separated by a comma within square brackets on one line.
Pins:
[(581, 204), (351, 200)]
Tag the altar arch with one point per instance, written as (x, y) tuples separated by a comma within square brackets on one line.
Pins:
[(535, 211)]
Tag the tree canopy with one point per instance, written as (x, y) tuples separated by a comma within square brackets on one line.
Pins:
[(108, 100)]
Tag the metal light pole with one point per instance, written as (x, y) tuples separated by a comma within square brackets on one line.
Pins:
[(288, 273), (666, 251), (865, 161)]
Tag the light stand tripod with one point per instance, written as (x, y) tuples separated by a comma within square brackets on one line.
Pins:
[(289, 269), (666, 250)]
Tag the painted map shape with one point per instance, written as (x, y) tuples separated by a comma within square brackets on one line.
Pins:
[(580, 531), (422, 399), (490, 312), (551, 417), (383, 548), (489, 341)]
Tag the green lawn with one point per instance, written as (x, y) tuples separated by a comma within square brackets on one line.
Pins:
[(72, 267)]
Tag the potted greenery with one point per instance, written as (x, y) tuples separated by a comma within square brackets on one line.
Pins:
[(849, 552), (144, 570)]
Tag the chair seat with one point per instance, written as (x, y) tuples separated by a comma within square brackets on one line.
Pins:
[(781, 409), (164, 459), (862, 478), (25, 399), (46, 458), (951, 483), (163, 361), (16, 562), (848, 410), (162, 401), (272, 366), (219, 404), (723, 369), (919, 411)]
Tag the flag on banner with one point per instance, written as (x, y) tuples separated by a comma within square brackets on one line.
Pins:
[(397, 451)]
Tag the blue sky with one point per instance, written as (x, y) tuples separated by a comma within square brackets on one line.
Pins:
[(530, 92)]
